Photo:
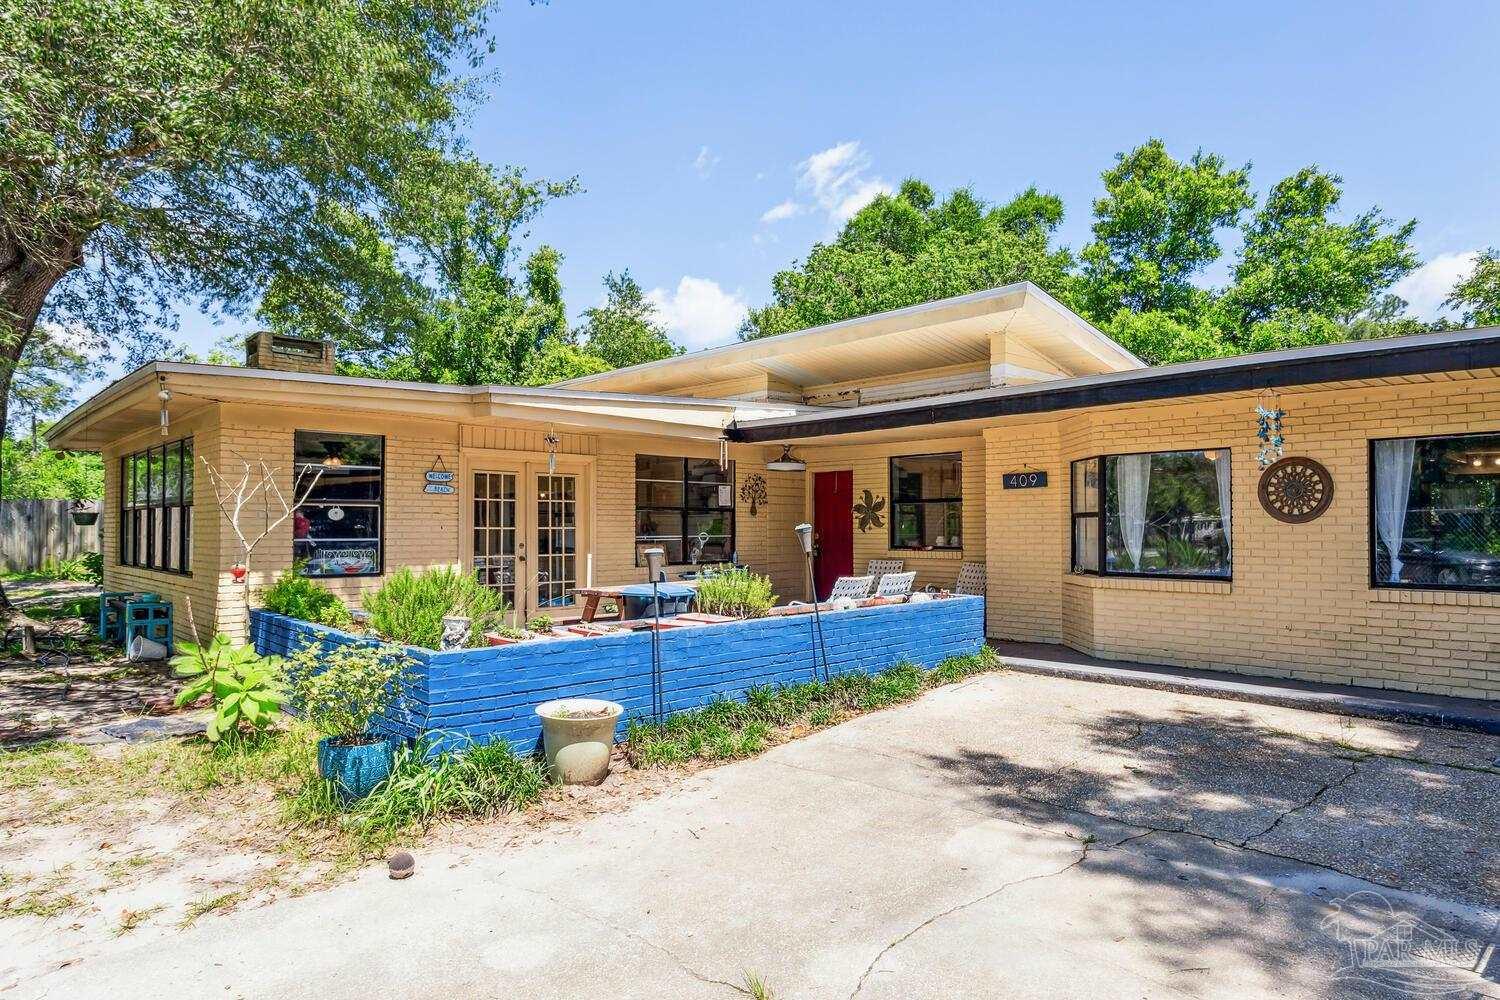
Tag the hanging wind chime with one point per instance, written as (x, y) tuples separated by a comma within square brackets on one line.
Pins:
[(1270, 428), (552, 441)]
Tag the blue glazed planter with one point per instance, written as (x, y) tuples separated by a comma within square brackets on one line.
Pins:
[(356, 770)]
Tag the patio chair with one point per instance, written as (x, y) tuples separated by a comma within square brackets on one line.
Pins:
[(896, 584), (971, 580), (880, 567), (852, 587)]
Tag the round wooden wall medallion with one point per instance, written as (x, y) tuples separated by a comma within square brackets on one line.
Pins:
[(1295, 490)]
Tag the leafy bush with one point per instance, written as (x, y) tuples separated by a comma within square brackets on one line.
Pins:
[(728, 730), (736, 592), (410, 607), (297, 596), (540, 623), (243, 684), (87, 567), (339, 690)]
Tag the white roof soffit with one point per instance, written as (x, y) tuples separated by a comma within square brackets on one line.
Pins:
[(951, 331), (130, 403)]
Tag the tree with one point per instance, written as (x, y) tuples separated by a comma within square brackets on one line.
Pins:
[(624, 330), (1160, 338), (557, 360), (159, 150), (908, 248), (31, 472), (1477, 297), (1295, 257), (1156, 227)]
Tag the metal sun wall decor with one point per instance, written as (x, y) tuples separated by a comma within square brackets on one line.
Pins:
[(1295, 490), (1270, 428), (753, 492), (868, 511)]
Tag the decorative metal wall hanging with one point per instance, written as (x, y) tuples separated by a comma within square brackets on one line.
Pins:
[(868, 511), (1295, 490), (753, 492), (1270, 428)]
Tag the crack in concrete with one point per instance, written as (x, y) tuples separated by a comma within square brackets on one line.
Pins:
[(1328, 786), (859, 986)]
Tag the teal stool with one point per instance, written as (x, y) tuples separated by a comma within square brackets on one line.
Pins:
[(152, 619), (112, 615)]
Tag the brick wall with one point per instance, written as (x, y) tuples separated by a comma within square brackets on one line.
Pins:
[(1300, 604)]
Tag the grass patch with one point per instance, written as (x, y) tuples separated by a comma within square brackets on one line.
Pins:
[(49, 899), (131, 919), (206, 905), (730, 730)]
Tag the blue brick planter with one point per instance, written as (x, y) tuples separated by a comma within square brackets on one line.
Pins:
[(478, 695)]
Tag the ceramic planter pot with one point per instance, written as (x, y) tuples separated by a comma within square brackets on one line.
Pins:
[(577, 737), (357, 768)]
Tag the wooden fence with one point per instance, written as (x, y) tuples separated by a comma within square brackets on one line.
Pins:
[(35, 532)]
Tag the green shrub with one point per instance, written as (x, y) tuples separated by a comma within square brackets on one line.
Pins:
[(339, 690), (736, 592), (244, 685), (540, 623), (410, 607), (297, 596), (87, 567)]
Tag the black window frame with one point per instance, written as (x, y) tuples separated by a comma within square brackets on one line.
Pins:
[(1103, 528), (958, 456), (1372, 535), (684, 509), (135, 551), (379, 506)]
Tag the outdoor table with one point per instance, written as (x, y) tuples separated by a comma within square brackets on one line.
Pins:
[(593, 595)]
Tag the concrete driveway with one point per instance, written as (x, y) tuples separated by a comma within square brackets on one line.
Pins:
[(1014, 836)]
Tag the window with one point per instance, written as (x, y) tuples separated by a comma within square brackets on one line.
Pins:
[(337, 531), (1156, 514), (686, 506), (927, 502), (156, 508), (1435, 512)]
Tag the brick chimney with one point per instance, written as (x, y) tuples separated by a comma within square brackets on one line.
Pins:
[(283, 353)]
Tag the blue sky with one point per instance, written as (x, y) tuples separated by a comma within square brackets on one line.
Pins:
[(715, 143)]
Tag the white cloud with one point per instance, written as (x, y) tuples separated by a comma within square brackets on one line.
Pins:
[(780, 212), (698, 313), (839, 180), (1425, 288), (705, 161)]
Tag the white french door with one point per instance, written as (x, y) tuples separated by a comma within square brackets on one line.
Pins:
[(528, 536)]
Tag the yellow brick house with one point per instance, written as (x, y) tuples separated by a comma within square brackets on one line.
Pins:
[(1129, 512)]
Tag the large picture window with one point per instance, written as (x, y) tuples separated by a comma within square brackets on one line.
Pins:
[(337, 530), (927, 501), (686, 506), (156, 508), (1435, 512), (1154, 514)]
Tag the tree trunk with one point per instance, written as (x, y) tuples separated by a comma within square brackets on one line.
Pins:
[(25, 283)]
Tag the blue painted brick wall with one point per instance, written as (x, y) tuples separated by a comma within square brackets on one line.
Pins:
[(478, 695)]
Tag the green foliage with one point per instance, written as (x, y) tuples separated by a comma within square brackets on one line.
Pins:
[(480, 782), (339, 689), (1477, 297), (28, 473), (1296, 258), (244, 685), (409, 607), (540, 623), (729, 730), (1160, 338), (556, 360), (297, 596), (907, 248), (736, 592), (624, 330), (85, 568), (1157, 226)]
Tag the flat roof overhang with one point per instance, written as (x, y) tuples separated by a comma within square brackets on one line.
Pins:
[(1475, 350)]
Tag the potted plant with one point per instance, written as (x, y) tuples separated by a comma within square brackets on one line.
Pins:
[(340, 691), (578, 735)]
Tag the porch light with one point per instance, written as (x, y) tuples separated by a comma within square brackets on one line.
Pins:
[(787, 463)]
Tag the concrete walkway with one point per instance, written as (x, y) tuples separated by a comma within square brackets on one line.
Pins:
[(1015, 836)]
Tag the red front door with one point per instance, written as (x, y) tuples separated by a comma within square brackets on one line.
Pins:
[(833, 528)]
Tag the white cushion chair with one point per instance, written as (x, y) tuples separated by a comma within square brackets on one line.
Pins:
[(852, 587), (971, 579), (880, 567), (896, 584)]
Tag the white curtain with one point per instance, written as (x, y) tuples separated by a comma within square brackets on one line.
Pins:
[(1132, 482), (1393, 469), (1222, 470)]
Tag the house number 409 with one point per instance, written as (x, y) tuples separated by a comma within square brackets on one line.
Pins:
[(1023, 480)]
